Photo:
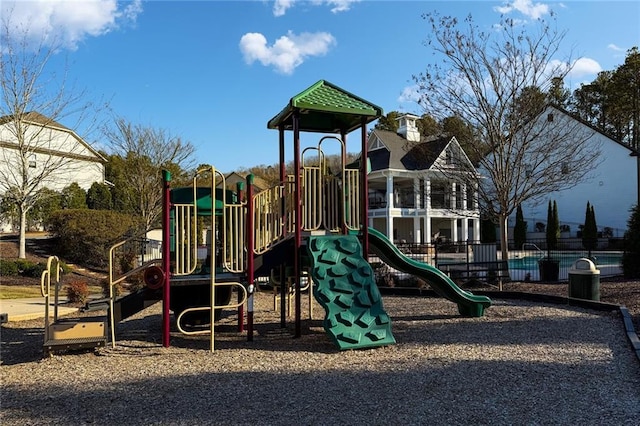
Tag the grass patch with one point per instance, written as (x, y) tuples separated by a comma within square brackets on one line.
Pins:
[(20, 291)]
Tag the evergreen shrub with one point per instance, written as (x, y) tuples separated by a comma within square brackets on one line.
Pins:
[(85, 236), (631, 257), (8, 268)]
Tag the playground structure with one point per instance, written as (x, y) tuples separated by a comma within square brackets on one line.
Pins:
[(312, 224), (61, 334)]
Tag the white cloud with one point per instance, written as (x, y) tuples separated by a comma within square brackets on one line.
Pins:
[(65, 21), (288, 52), (585, 66), (410, 94), (615, 48), (579, 68), (340, 5), (526, 7), (280, 7)]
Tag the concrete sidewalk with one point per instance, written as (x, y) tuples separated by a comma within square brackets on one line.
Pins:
[(29, 308)]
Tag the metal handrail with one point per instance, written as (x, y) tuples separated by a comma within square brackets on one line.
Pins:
[(211, 308), (351, 190), (45, 279), (233, 248), (268, 213), (185, 228), (114, 280), (531, 244)]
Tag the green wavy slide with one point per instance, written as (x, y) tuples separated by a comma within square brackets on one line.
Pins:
[(469, 305)]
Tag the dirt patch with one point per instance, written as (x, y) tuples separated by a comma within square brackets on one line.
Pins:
[(39, 250)]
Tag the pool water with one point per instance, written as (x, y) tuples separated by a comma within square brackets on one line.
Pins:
[(530, 263)]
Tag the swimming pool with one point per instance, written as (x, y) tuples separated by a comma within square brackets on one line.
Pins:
[(566, 260), (526, 268)]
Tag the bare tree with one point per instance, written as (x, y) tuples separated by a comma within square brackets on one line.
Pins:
[(146, 152), (485, 79), (33, 103)]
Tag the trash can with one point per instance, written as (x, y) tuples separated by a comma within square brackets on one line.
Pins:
[(584, 280)]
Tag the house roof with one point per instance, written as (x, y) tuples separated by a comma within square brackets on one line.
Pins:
[(326, 108), (33, 117), (403, 155), (633, 151), (258, 182)]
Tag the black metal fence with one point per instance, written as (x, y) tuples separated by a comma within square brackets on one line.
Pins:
[(533, 261)]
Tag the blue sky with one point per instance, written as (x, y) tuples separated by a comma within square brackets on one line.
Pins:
[(214, 72)]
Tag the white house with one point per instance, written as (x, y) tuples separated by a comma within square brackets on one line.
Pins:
[(611, 187), (413, 196), (50, 154)]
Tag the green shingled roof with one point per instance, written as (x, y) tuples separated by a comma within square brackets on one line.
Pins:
[(326, 108)]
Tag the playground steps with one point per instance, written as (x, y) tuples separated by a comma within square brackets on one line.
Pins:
[(74, 334), (346, 289)]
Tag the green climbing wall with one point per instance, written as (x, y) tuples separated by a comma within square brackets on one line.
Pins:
[(346, 289)]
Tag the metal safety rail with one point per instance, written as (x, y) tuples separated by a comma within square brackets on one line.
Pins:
[(45, 290), (272, 208), (127, 259), (212, 308), (185, 231), (312, 190), (351, 194), (232, 224), (233, 249), (328, 201)]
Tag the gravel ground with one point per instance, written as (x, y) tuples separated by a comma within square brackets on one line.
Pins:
[(521, 363)]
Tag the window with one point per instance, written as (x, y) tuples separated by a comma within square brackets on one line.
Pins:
[(439, 195), (564, 169), (376, 145), (32, 161), (449, 157)]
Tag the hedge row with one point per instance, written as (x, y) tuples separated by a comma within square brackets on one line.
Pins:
[(85, 236), (25, 268)]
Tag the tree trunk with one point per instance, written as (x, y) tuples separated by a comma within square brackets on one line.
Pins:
[(22, 241), (504, 240)]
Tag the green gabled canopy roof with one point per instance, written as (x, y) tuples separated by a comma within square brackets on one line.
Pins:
[(326, 108), (203, 195)]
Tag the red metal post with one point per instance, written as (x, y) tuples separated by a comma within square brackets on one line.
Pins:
[(364, 195), (166, 257), (298, 221), (343, 154)]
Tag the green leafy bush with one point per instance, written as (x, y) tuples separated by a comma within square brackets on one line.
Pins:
[(127, 262), (117, 288), (23, 264), (31, 269), (77, 292), (135, 282), (8, 268), (28, 268), (85, 236)]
